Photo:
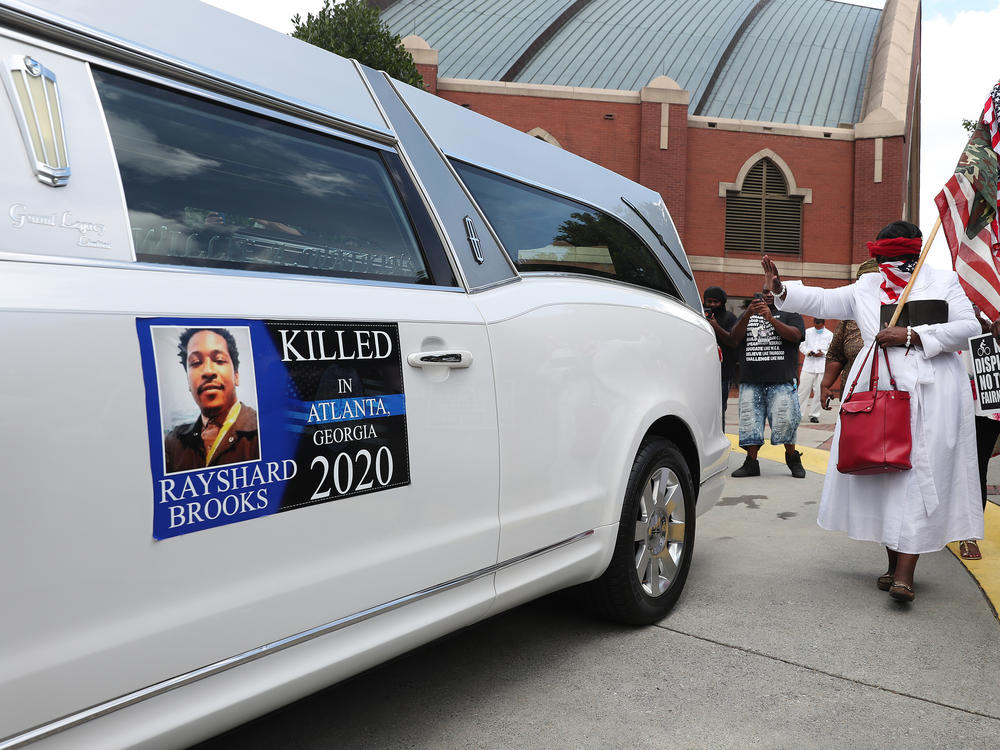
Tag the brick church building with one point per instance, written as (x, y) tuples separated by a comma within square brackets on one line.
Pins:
[(783, 126)]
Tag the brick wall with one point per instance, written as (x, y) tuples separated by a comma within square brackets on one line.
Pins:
[(876, 203), (826, 167), (430, 75), (579, 126), (665, 170)]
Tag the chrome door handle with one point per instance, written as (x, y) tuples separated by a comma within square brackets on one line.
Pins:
[(447, 358)]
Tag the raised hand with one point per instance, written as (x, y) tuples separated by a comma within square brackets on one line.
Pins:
[(772, 280)]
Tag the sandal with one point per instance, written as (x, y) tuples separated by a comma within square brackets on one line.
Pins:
[(968, 549), (884, 582), (901, 592)]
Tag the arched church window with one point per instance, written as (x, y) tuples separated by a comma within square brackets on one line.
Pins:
[(761, 217)]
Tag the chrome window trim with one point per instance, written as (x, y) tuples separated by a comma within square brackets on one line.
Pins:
[(588, 204), (449, 249), (114, 155), (592, 207), (659, 237), (230, 101), (461, 183), (150, 691), (496, 284), (70, 260), (83, 38), (215, 98), (523, 181)]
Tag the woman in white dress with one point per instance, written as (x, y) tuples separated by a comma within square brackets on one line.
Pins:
[(938, 500)]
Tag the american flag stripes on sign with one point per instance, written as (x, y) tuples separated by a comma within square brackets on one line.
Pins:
[(969, 215)]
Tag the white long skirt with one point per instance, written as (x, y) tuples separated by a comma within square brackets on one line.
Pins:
[(938, 500)]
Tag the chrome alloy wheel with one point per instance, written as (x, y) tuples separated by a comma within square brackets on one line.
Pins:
[(659, 532)]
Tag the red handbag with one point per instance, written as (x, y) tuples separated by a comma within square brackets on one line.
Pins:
[(874, 426)]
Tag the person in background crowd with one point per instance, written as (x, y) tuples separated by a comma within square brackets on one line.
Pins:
[(844, 347), (814, 346), (722, 321), (937, 501), (768, 342)]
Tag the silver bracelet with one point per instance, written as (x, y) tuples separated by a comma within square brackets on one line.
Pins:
[(781, 290), (909, 334)]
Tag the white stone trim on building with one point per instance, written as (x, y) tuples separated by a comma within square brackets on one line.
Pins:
[(765, 153), (545, 135), (539, 90), (790, 269), (887, 90), (420, 50)]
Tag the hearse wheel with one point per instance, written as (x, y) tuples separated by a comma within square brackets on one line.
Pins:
[(655, 539)]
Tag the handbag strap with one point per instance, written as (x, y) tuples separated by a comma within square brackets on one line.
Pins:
[(873, 378), (892, 379), (874, 375)]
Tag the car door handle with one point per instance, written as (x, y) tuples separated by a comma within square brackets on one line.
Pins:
[(447, 358)]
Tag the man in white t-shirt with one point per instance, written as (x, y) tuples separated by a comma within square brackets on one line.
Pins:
[(814, 346)]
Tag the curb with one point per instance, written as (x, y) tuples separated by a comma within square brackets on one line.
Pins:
[(986, 572)]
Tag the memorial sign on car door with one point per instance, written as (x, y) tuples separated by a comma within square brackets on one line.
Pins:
[(247, 418)]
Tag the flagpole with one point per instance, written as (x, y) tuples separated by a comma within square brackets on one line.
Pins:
[(913, 276)]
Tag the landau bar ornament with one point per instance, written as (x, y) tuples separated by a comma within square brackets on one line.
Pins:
[(34, 96)]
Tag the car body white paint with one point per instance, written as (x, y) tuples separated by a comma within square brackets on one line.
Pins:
[(525, 453)]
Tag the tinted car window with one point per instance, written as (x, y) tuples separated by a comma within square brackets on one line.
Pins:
[(545, 232), (209, 185)]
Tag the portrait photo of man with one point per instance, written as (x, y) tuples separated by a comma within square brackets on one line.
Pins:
[(225, 430)]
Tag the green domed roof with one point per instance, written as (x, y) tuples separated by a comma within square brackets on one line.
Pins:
[(796, 61)]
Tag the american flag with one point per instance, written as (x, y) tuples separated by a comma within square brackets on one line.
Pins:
[(895, 276), (991, 116), (969, 212)]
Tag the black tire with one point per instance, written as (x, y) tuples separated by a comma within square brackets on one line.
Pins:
[(648, 568)]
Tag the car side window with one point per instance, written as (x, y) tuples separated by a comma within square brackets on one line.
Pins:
[(210, 185), (549, 233)]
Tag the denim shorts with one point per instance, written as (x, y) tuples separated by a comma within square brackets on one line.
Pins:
[(778, 403)]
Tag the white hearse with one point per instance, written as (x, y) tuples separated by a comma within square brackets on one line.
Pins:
[(305, 367)]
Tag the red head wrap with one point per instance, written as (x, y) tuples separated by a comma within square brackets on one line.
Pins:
[(895, 247)]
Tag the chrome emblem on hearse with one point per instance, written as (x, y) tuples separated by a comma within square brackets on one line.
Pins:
[(34, 96), (473, 237)]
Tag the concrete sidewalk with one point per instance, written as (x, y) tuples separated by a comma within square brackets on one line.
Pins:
[(814, 440)]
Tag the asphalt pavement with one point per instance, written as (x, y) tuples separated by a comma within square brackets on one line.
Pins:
[(780, 640)]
